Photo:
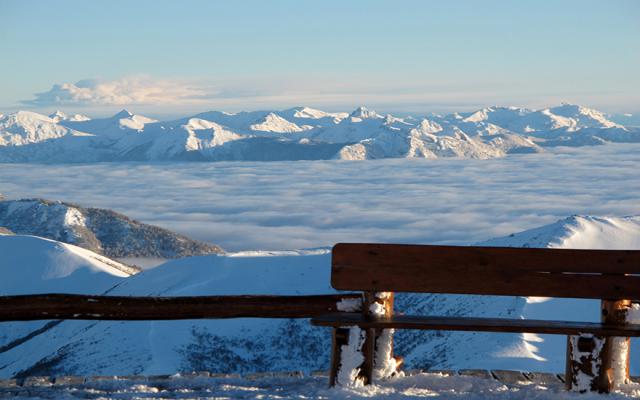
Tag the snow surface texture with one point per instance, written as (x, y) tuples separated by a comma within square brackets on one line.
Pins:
[(418, 386), (284, 205), (99, 230), (302, 134), (249, 345)]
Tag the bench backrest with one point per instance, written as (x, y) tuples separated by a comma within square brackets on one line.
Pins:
[(595, 274)]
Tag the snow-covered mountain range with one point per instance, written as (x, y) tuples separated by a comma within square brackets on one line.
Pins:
[(302, 133), (99, 230), (244, 345)]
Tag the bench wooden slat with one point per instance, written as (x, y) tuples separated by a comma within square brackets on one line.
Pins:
[(476, 324), (595, 274)]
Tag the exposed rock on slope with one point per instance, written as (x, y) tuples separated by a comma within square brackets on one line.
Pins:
[(99, 230)]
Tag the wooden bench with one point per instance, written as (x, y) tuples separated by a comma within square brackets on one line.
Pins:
[(612, 276)]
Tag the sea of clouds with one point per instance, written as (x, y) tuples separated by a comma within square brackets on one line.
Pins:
[(302, 204)]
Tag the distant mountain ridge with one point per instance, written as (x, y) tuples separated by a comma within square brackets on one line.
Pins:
[(99, 230), (302, 133)]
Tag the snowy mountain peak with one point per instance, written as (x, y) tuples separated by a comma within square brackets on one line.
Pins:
[(27, 117), (478, 116), (364, 113), (27, 127), (429, 126), (275, 123), (584, 116), (497, 115), (61, 116), (58, 116), (124, 113), (311, 113)]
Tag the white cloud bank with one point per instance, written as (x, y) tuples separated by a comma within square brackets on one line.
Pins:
[(285, 205), (138, 90)]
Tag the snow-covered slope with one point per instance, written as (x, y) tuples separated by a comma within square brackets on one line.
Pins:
[(30, 265), (158, 347), (302, 133), (243, 345), (26, 127), (99, 230), (578, 232)]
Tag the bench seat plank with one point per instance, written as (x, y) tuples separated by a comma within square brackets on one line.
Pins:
[(476, 324)]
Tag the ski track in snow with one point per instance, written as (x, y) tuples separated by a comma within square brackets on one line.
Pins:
[(302, 204)]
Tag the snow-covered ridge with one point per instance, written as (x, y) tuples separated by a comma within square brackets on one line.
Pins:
[(250, 345), (303, 133), (579, 232), (49, 266), (99, 230)]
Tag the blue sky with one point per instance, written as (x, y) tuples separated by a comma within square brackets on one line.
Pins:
[(166, 57)]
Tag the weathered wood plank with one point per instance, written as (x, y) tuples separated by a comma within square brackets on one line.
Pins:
[(65, 306), (477, 324), (487, 270)]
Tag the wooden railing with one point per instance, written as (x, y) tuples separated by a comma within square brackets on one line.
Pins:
[(86, 307)]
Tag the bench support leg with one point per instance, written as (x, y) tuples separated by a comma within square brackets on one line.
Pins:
[(615, 353), (373, 349), (599, 364), (339, 338), (378, 346)]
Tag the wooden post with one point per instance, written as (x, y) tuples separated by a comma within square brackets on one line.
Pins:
[(583, 362), (599, 364), (376, 349), (339, 338), (614, 370), (368, 349), (384, 342)]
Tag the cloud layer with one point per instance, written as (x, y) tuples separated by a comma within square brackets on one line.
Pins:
[(235, 94), (285, 205), (126, 91)]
